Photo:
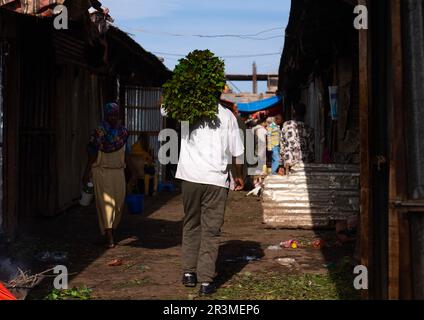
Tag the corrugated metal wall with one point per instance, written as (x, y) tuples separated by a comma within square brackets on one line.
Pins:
[(68, 49), (414, 76), (37, 142), (2, 63), (313, 196), (78, 104), (315, 115), (142, 114), (62, 103), (413, 26)]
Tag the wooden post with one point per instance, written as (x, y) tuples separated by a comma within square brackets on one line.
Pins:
[(255, 78), (366, 237), (399, 267)]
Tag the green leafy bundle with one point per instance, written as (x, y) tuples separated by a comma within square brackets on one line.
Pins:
[(193, 92)]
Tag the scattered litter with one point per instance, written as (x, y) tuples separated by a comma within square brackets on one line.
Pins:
[(249, 258), (255, 192), (244, 258), (318, 244), (52, 257), (293, 244), (274, 248), (128, 241), (330, 265), (115, 263), (286, 262)]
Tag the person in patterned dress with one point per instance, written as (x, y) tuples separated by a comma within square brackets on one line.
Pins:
[(297, 140)]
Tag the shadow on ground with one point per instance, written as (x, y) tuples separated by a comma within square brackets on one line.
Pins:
[(234, 256)]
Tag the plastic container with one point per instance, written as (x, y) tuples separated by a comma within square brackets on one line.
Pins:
[(135, 203), (87, 195), (168, 186), (289, 244)]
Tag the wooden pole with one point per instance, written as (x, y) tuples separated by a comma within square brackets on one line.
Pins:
[(399, 285), (255, 78), (366, 237)]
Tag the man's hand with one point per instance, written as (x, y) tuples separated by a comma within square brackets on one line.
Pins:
[(239, 182), (238, 166), (106, 11)]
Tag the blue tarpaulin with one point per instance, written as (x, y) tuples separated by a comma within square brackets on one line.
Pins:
[(258, 105)]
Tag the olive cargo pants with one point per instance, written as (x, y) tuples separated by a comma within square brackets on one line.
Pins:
[(204, 208)]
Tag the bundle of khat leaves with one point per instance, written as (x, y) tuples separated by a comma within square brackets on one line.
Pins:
[(193, 92)]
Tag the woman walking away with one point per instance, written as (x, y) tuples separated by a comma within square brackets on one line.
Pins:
[(107, 159)]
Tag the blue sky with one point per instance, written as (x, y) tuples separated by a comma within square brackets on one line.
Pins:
[(152, 21)]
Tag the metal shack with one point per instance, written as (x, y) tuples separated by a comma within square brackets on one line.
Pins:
[(53, 86), (319, 62), (380, 75)]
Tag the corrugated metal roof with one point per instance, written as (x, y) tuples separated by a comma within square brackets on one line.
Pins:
[(32, 7)]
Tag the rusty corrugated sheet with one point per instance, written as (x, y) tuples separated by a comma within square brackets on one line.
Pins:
[(312, 196), (68, 48), (32, 7), (5, 2)]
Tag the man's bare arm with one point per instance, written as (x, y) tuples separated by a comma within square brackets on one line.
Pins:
[(238, 164)]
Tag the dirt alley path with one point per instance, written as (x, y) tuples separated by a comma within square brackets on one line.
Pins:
[(149, 246)]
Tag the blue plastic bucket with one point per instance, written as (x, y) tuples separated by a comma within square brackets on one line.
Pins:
[(135, 203)]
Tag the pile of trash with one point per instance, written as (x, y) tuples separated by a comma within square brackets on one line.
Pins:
[(295, 244)]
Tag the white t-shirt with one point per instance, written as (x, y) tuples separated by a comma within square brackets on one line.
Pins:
[(207, 151)]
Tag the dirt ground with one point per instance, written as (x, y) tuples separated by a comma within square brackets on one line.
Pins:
[(149, 246)]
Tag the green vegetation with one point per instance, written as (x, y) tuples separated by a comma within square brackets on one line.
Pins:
[(83, 293), (336, 284), (195, 88), (288, 287)]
